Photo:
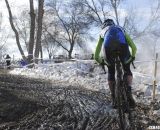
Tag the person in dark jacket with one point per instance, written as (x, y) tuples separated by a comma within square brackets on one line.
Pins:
[(8, 61)]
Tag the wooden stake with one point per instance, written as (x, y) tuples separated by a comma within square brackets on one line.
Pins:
[(155, 74)]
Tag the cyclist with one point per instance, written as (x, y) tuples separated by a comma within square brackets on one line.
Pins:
[(114, 37)]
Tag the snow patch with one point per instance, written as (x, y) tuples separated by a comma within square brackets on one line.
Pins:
[(87, 74)]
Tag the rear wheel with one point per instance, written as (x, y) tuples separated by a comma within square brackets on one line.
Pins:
[(121, 113), (127, 106)]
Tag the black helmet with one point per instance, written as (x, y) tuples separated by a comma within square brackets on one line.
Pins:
[(107, 22)]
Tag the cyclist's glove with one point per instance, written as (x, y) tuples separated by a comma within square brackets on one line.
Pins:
[(102, 63), (130, 60)]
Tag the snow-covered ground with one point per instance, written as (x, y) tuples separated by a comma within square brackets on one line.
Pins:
[(88, 74), (80, 72), (85, 73)]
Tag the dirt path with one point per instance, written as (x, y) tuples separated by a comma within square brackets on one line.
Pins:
[(29, 104)]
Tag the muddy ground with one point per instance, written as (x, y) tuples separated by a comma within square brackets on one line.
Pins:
[(32, 104)]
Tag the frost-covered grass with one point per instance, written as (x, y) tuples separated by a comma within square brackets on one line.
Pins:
[(87, 74), (80, 72)]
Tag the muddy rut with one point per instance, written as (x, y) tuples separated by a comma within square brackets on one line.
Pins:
[(32, 104)]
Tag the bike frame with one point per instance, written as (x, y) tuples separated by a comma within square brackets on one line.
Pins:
[(121, 96)]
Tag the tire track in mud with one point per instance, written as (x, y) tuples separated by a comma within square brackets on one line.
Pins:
[(52, 106), (31, 104)]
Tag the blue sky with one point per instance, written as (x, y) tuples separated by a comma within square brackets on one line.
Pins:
[(138, 3)]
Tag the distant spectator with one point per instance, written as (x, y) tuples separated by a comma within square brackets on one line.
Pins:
[(92, 56), (50, 56), (8, 61)]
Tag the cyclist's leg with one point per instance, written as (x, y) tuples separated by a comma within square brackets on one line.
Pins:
[(111, 73), (124, 56), (127, 73), (112, 83), (129, 76)]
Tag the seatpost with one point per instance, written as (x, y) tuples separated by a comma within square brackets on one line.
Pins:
[(118, 66)]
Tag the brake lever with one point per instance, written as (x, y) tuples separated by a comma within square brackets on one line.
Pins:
[(133, 65)]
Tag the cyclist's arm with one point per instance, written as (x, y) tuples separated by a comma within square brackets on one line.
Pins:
[(131, 44), (98, 50)]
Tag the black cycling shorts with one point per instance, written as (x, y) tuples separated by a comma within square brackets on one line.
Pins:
[(110, 58)]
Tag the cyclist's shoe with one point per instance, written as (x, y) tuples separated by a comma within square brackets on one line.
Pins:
[(131, 100), (114, 104)]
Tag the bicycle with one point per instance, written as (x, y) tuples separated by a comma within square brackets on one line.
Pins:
[(123, 107)]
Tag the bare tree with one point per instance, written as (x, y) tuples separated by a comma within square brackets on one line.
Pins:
[(3, 38), (130, 23), (50, 34), (32, 32), (22, 24), (52, 31), (50, 44), (133, 22), (38, 46), (152, 27), (0, 20), (73, 26), (101, 9), (15, 30), (97, 10), (24, 34), (115, 4)]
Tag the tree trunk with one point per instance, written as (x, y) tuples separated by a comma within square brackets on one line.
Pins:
[(41, 52), (15, 30), (50, 56), (70, 51), (32, 32), (115, 7), (116, 13), (39, 30)]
